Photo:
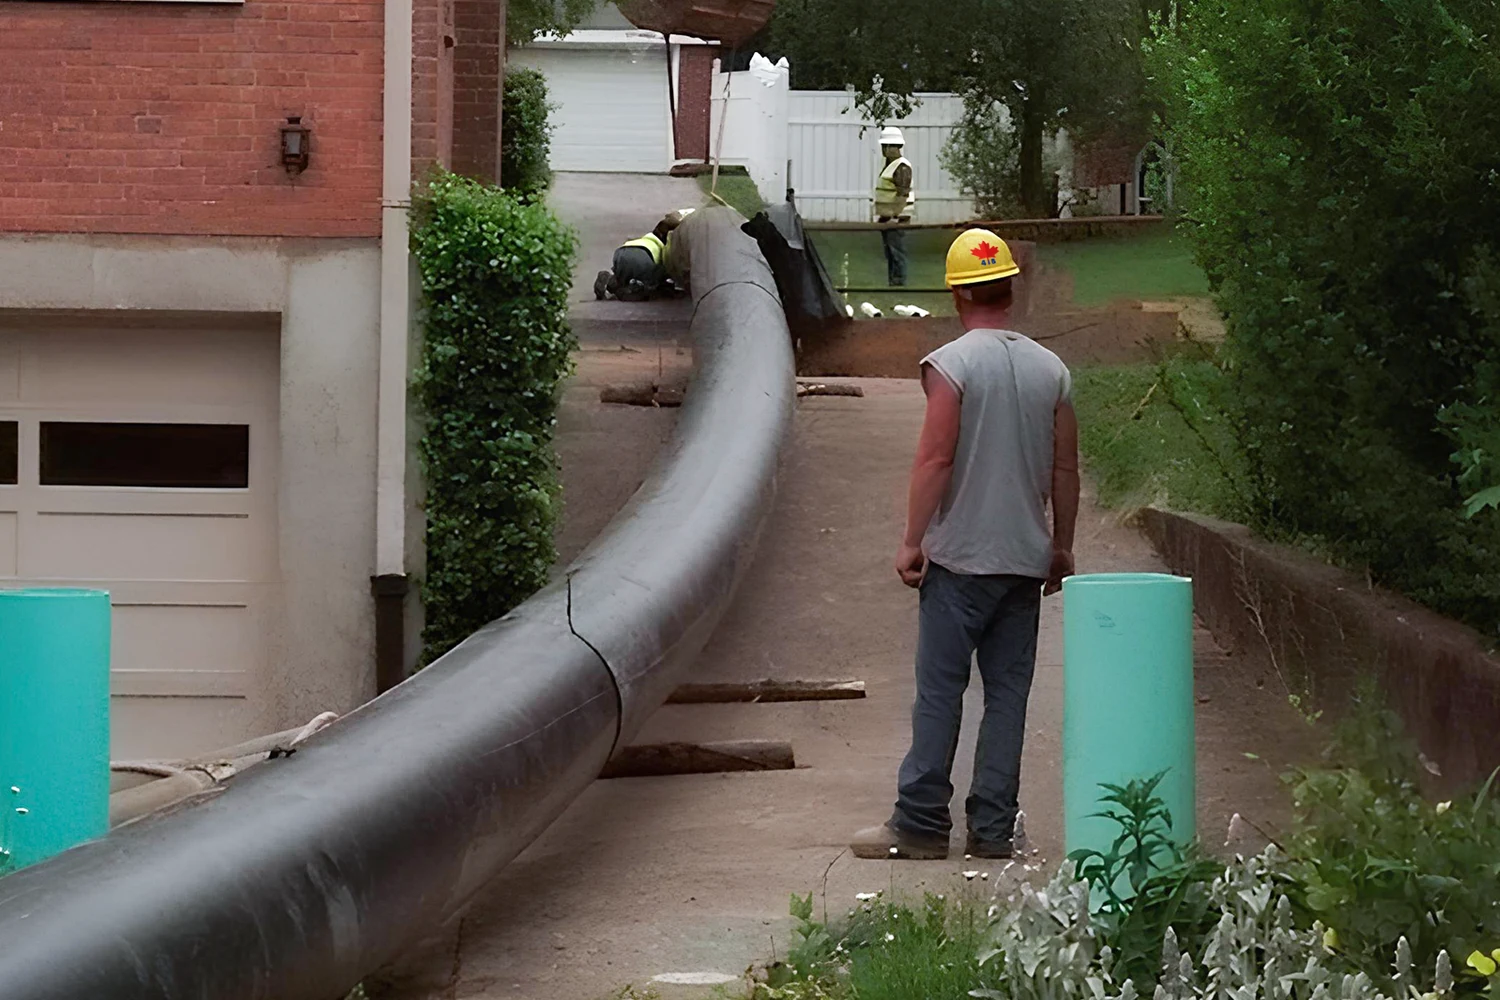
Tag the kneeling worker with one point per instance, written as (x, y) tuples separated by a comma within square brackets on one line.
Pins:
[(640, 265)]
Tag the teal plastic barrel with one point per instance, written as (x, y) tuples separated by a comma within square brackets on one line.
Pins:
[(1128, 697), (54, 720)]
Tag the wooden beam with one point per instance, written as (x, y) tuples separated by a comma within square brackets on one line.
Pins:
[(641, 395), (765, 691), (658, 759), (827, 389)]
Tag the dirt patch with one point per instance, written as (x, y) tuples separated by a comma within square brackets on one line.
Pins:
[(1122, 332), (894, 347), (1197, 315)]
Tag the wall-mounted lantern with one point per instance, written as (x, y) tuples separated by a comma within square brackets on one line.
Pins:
[(295, 140)]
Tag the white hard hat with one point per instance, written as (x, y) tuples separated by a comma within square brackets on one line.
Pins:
[(891, 136)]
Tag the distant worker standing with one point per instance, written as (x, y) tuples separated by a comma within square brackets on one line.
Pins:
[(894, 202), (639, 270), (999, 441)]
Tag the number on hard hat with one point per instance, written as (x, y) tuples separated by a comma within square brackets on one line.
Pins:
[(979, 255), (891, 136)]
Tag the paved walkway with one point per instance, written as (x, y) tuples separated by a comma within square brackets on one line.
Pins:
[(653, 875), (692, 874)]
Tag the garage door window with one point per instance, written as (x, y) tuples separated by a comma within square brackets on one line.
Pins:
[(184, 456), (9, 434)]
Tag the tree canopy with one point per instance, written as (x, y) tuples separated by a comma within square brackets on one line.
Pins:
[(527, 20), (1049, 63)]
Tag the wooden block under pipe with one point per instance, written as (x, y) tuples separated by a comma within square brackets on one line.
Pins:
[(658, 759), (766, 691)]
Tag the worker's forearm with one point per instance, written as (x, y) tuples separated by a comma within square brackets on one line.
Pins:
[(929, 484), (1064, 507)]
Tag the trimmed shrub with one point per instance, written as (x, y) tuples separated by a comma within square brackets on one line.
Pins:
[(495, 277), (1339, 164), (525, 133)]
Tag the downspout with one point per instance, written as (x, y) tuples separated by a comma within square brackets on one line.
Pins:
[(390, 583)]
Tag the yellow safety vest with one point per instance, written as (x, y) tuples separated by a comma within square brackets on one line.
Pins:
[(651, 243), (888, 201)]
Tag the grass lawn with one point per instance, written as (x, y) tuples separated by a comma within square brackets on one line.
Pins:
[(737, 189), (857, 258), (1154, 266), (1159, 434)]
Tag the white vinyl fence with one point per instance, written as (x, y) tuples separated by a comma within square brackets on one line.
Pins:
[(835, 157), (831, 151)]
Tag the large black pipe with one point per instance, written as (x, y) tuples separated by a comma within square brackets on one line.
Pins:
[(309, 872)]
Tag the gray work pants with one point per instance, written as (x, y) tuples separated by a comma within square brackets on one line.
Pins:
[(997, 617)]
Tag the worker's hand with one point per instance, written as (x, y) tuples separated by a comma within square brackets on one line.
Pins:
[(1061, 568), (911, 565)]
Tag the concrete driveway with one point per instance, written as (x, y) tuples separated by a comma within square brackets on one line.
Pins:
[(644, 876), (608, 209)]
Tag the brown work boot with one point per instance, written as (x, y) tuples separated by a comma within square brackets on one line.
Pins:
[(990, 849), (887, 842), (1003, 848)]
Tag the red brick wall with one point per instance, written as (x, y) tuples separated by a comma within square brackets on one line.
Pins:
[(432, 42), (694, 80), (164, 118), (479, 58), (1108, 160)]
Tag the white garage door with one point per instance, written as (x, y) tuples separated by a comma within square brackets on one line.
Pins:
[(612, 112), (143, 462)]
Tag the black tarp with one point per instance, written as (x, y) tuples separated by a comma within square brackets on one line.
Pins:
[(807, 293)]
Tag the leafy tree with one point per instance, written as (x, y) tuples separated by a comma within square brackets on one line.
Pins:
[(1339, 165), (1049, 63), (527, 20)]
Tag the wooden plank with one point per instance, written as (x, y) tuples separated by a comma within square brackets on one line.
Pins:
[(766, 691), (641, 395), (827, 389), (659, 759)]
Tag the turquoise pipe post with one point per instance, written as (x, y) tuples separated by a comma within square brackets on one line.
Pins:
[(54, 720), (1127, 697)]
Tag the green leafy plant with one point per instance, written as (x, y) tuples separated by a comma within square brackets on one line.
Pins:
[(813, 946), (1335, 167), (525, 133), (495, 278), (1379, 864), (1151, 885), (1486, 967), (1144, 842), (528, 20), (983, 156)]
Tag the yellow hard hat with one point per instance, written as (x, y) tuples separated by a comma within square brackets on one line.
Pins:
[(979, 255)]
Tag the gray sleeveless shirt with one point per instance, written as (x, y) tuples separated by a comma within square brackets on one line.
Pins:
[(993, 519)]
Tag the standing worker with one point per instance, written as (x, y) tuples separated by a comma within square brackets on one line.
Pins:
[(894, 203), (639, 269), (999, 439)]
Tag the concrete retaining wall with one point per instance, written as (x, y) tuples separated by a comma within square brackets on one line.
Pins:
[(1323, 627)]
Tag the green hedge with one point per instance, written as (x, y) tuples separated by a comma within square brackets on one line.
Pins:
[(495, 277), (1340, 167), (525, 133)]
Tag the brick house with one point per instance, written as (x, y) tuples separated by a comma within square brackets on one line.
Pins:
[(204, 348)]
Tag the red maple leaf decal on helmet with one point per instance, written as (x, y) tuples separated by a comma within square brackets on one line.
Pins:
[(985, 250)]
